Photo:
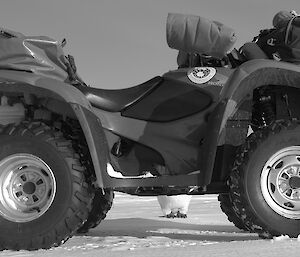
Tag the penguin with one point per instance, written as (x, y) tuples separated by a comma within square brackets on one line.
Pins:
[(174, 206)]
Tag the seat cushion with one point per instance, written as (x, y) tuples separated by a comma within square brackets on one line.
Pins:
[(117, 100)]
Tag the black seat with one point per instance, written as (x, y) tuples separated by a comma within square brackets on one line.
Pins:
[(117, 100)]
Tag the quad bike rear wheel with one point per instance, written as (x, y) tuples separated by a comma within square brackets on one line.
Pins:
[(228, 209), (265, 181), (43, 194), (101, 204)]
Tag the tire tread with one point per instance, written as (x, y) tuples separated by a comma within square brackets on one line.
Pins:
[(80, 205), (236, 181)]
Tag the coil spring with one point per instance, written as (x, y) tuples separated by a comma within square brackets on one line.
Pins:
[(264, 112), (268, 114)]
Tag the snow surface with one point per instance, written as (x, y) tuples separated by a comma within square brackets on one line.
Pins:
[(135, 227)]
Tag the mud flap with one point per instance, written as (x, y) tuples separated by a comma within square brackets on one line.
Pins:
[(95, 138)]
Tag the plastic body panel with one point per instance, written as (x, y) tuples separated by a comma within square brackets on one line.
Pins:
[(202, 129), (19, 81), (213, 87), (176, 141), (171, 100), (242, 82), (92, 121), (175, 135), (32, 83)]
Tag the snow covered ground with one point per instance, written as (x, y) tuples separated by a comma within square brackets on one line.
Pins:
[(135, 227)]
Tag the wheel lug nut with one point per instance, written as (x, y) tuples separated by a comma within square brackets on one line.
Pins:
[(25, 198)]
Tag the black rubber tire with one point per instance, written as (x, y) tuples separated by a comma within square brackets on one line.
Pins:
[(101, 204), (227, 208), (72, 201), (245, 180)]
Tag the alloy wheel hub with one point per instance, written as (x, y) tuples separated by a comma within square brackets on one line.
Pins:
[(294, 182), (280, 182), (27, 187)]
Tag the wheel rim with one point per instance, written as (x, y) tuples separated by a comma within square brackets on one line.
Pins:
[(27, 187), (280, 182)]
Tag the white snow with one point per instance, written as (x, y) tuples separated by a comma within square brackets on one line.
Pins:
[(281, 238), (135, 227), (115, 174)]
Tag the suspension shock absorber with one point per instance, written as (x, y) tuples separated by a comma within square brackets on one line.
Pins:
[(267, 109), (264, 110)]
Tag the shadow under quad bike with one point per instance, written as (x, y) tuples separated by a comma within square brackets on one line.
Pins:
[(227, 126)]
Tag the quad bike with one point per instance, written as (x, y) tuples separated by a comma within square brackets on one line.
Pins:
[(229, 126)]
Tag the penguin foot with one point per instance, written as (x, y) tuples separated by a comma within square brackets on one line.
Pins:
[(181, 215), (171, 215)]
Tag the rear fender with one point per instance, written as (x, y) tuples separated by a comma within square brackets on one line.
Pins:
[(239, 86), (19, 81)]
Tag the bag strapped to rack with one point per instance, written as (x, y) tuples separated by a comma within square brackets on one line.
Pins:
[(282, 43), (292, 38)]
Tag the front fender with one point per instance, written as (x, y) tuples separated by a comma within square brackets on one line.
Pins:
[(239, 86), (29, 82), (19, 81), (253, 74)]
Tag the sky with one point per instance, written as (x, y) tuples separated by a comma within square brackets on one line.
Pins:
[(122, 43)]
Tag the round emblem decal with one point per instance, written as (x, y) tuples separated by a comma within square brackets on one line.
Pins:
[(201, 75)]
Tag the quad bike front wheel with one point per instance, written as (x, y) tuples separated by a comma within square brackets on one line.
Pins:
[(265, 181), (44, 197)]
